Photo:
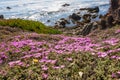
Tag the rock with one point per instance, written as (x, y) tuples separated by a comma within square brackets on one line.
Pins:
[(78, 13), (114, 10), (91, 10), (118, 15), (103, 24), (87, 29), (64, 5), (109, 20), (1, 16), (114, 4), (86, 18), (94, 10), (48, 20), (75, 17), (80, 23), (8, 7), (62, 23), (95, 26), (100, 16), (94, 16)]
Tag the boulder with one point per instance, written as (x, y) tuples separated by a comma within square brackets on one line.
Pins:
[(86, 18), (91, 10), (64, 5), (8, 7), (1, 16), (48, 21), (94, 10), (62, 23), (95, 26), (103, 24), (87, 29), (75, 17), (109, 20), (94, 16)]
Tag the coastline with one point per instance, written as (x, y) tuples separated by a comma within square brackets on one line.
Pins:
[(29, 50)]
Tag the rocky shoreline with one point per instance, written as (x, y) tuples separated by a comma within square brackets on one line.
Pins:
[(84, 24), (89, 21)]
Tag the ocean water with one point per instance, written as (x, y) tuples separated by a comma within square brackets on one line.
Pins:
[(44, 10)]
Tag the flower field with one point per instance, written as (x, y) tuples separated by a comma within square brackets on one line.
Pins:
[(33, 56)]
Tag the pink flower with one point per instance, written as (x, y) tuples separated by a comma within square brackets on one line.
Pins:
[(112, 41), (69, 59), (102, 54), (113, 75), (44, 68), (118, 31), (44, 75), (118, 72), (58, 67), (14, 63)]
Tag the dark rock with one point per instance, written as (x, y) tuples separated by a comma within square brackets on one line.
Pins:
[(103, 24), (118, 15), (48, 20), (114, 10), (62, 23), (80, 23), (87, 29), (1, 16), (94, 10), (83, 8), (8, 7), (75, 17), (78, 12), (64, 5), (109, 20), (86, 18), (100, 16), (114, 4), (91, 10), (94, 16), (95, 26), (65, 20)]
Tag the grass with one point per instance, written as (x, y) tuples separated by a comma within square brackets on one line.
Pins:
[(29, 25)]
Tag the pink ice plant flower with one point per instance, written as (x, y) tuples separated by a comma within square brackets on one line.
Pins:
[(112, 41), (44, 75), (58, 67), (118, 31), (44, 68), (69, 59), (14, 63)]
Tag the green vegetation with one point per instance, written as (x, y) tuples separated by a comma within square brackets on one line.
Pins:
[(29, 25), (82, 67)]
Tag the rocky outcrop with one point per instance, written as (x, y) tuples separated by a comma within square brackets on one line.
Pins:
[(114, 10), (112, 17), (86, 22), (1, 16), (114, 5), (75, 17)]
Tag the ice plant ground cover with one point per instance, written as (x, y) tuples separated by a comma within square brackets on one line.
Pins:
[(33, 56)]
